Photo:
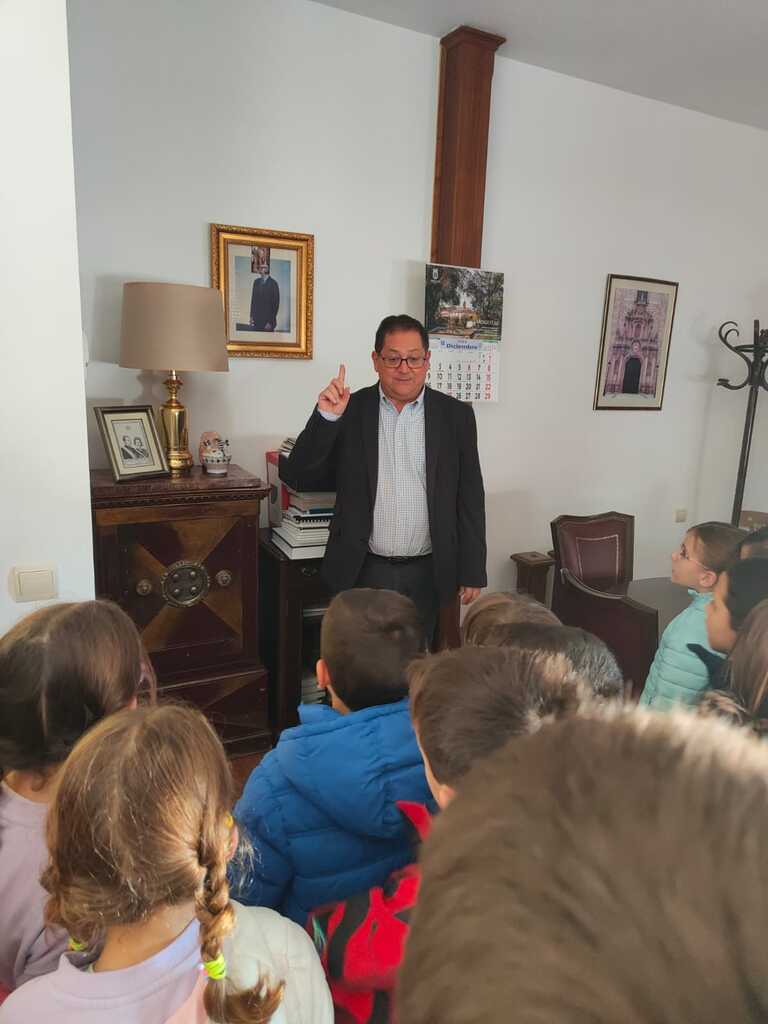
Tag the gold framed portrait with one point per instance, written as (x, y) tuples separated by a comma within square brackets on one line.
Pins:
[(266, 279)]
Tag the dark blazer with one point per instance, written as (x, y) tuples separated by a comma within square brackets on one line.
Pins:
[(265, 302), (344, 456)]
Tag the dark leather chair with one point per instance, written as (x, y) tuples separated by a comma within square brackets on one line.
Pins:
[(630, 629), (596, 550)]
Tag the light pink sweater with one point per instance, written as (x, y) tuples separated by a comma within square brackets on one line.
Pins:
[(167, 988), (27, 947)]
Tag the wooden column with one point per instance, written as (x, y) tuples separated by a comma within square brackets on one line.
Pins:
[(463, 115)]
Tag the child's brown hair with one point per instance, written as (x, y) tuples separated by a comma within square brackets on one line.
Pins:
[(367, 639), (466, 703), (140, 820), (502, 609), (62, 669), (605, 869), (718, 543), (745, 701)]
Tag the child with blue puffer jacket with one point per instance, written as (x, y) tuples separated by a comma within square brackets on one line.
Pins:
[(678, 675), (322, 807)]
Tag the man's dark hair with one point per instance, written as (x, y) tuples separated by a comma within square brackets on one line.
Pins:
[(747, 586), (367, 639), (401, 322), (755, 544), (467, 703), (602, 870), (588, 655)]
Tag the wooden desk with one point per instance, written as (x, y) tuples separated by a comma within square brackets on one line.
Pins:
[(659, 592), (629, 618)]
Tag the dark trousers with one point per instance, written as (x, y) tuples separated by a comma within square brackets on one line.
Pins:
[(414, 578)]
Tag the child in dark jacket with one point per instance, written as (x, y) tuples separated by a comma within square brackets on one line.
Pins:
[(321, 808), (465, 704)]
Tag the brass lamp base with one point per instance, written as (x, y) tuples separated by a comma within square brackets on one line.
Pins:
[(173, 420)]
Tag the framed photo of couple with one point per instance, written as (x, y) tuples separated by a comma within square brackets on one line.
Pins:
[(266, 280), (131, 441)]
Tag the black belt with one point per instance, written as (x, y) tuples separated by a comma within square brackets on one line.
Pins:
[(399, 559)]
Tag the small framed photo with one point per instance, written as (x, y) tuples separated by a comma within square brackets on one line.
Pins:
[(266, 279), (131, 440), (634, 347)]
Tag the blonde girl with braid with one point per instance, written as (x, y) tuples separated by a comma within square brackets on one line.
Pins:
[(139, 837)]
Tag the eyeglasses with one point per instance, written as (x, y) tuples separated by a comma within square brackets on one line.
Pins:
[(683, 553), (395, 362)]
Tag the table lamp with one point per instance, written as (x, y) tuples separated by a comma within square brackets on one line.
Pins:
[(173, 327)]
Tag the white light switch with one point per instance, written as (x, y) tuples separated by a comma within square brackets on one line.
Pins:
[(34, 583), (681, 515)]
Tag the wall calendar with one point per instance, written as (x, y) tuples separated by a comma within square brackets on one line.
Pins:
[(463, 316)]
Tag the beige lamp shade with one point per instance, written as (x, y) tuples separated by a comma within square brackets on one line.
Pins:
[(172, 327)]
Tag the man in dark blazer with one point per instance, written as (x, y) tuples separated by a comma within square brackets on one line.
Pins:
[(402, 458), (265, 301)]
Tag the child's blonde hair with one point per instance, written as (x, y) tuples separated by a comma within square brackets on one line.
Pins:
[(502, 609), (141, 820)]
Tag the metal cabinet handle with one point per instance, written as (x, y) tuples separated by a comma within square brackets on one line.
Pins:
[(224, 577), (144, 587)]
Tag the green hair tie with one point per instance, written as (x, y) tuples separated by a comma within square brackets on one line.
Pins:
[(75, 946), (216, 969)]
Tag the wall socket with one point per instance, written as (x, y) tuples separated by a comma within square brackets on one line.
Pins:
[(681, 515)]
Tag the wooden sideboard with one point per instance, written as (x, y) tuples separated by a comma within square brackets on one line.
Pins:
[(181, 556)]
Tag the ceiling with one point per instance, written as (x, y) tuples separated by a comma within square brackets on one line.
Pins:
[(707, 55)]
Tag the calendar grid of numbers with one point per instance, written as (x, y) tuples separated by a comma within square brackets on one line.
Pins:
[(468, 370), (463, 314)]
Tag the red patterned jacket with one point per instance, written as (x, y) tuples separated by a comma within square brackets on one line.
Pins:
[(361, 939)]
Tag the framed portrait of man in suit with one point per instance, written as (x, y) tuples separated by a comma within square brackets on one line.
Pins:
[(266, 280)]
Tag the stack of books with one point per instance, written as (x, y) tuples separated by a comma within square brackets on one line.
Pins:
[(306, 524), (300, 520)]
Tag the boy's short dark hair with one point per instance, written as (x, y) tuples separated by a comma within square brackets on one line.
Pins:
[(401, 322), (605, 869), (755, 544), (468, 702), (367, 639), (747, 587), (502, 608), (719, 542), (589, 656)]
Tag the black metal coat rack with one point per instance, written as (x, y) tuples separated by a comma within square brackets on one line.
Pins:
[(756, 358)]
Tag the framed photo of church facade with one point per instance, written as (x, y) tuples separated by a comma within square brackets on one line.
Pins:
[(634, 345), (266, 279)]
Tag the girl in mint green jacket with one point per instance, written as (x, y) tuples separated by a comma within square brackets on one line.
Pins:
[(678, 675)]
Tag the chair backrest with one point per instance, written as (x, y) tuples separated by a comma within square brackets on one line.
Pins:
[(753, 520), (630, 629), (598, 550)]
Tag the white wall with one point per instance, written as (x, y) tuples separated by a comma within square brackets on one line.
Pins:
[(584, 181), (295, 116), (45, 510), (278, 114)]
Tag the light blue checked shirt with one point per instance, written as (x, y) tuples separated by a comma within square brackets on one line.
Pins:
[(400, 514)]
